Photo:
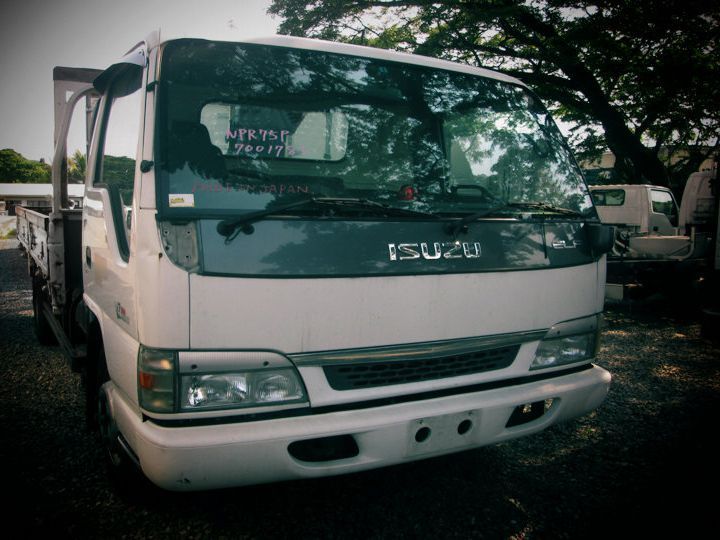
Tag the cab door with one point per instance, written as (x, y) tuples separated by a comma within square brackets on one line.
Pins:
[(108, 213), (663, 213)]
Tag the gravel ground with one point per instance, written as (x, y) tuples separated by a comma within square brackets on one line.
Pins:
[(640, 465)]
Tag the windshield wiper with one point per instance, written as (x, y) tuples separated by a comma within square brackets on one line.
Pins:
[(229, 228), (457, 226), (375, 207), (545, 207)]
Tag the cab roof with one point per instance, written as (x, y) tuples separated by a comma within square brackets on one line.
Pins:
[(155, 39)]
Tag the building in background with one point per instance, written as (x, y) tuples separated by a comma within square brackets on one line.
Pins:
[(34, 196)]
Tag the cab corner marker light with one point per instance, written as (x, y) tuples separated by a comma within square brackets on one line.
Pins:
[(156, 379)]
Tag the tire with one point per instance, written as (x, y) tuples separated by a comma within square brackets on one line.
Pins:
[(710, 324), (123, 473), (114, 453), (43, 330)]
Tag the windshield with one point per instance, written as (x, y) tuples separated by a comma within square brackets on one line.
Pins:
[(244, 127)]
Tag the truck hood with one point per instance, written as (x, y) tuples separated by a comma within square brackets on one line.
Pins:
[(296, 315)]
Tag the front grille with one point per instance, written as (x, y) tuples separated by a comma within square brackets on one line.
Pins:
[(386, 373)]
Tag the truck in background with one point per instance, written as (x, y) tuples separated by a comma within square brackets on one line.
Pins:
[(654, 236), (649, 225), (297, 258)]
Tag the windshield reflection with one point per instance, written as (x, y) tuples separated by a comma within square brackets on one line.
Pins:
[(243, 126)]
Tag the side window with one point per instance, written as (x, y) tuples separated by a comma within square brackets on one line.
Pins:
[(664, 203), (608, 197), (121, 129)]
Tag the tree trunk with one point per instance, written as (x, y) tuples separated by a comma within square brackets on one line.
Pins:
[(633, 160), (644, 166)]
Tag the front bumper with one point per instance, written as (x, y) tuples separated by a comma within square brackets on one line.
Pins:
[(236, 454)]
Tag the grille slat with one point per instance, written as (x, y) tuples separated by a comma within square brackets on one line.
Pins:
[(386, 373)]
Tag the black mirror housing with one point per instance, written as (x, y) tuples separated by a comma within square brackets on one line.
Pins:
[(601, 238)]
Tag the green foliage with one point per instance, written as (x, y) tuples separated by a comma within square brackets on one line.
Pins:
[(639, 78), (16, 168), (119, 171), (77, 165)]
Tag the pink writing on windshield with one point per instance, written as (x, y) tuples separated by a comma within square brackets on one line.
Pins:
[(264, 135), (255, 150)]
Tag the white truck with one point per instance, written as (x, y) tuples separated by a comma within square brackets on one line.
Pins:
[(650, 225), (654, 237), (297, 258)]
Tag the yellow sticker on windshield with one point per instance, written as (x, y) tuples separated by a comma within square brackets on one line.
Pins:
[(182, 200)]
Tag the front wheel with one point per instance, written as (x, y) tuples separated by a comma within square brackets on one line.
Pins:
[(109, 434), (123, 472)]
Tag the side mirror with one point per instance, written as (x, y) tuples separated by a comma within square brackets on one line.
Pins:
[(601, 238)]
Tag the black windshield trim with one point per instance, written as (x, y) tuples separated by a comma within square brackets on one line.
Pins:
[(494, 270)]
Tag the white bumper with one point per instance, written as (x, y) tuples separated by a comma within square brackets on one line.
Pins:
[(236, 454)]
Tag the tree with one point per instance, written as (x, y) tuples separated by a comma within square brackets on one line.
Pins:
[(119, 171), (16, 168), (77, 165), (639, 78)]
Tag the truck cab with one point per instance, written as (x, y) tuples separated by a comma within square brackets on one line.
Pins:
[(649, 223), (303, 258)]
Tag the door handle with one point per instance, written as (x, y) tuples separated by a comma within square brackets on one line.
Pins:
[(88, 257)]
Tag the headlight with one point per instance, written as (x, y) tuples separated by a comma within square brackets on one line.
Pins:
[(565, 350), (183, 381), (244, 389)]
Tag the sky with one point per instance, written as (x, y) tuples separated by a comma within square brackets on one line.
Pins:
[(37, 35)]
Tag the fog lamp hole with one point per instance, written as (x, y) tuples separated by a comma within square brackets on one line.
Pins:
[(423, 434), (522, 414), (464, 427), (324, 449)]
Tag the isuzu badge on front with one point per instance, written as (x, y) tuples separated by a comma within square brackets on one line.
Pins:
[(297, 258)]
